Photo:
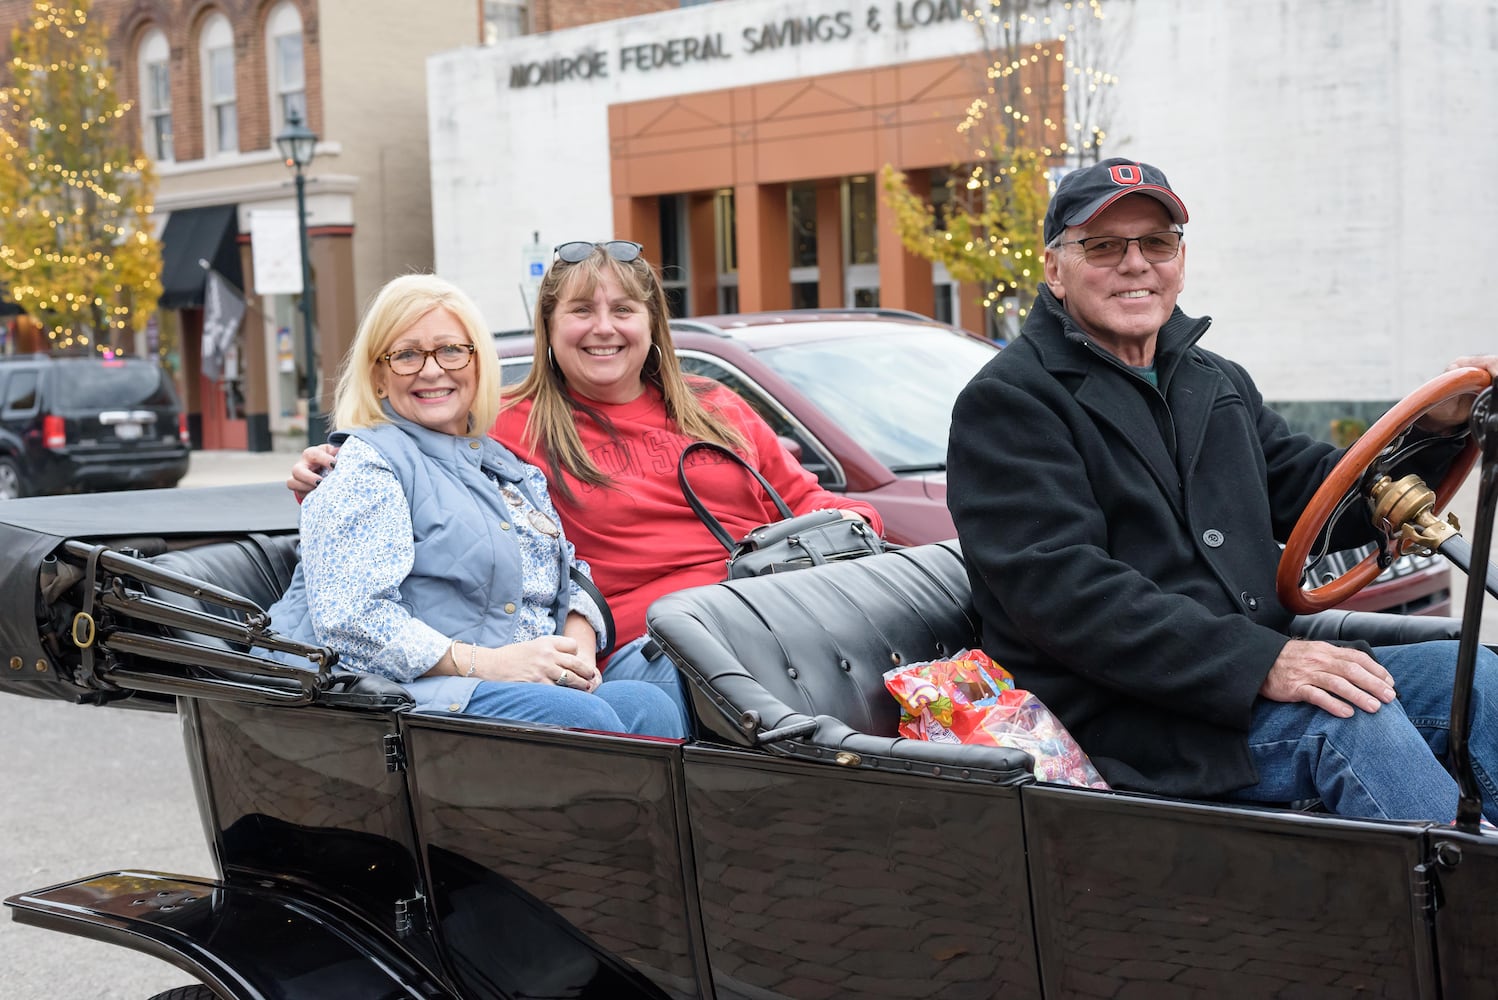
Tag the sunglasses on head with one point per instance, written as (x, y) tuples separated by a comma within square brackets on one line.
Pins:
[(580, 250)]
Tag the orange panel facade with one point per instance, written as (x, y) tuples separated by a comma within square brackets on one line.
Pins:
[(759, 140)]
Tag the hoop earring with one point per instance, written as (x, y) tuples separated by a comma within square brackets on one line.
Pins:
[(551, 362), (657, 370)]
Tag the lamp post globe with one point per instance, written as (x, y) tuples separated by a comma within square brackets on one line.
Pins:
[(298, 144)]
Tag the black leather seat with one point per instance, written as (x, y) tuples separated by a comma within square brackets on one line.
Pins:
[(258, 567), (795, 662)]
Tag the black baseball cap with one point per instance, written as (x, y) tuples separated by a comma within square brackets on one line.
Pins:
[(1083, 193)]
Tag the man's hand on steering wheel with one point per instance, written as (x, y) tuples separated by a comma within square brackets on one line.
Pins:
[(1454, 412), (1335, 679)]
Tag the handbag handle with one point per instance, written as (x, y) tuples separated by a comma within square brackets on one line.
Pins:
[(712, 523)]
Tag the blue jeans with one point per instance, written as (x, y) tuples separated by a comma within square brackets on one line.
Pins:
[(1386, 764), (615, 707), (629, 663)]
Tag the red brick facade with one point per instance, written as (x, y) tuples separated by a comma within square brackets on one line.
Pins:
[(554, 15), (128, 21)]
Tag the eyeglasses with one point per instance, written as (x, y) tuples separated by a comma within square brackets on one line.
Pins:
[(580, 250), (1109, 251), (410, 360)]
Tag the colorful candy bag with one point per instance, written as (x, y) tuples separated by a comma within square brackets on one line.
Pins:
[(971, 699)]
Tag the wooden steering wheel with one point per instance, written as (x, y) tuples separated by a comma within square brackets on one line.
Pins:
[(1350, 471)]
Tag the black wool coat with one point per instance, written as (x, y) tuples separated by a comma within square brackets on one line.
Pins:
[(1122, 542)]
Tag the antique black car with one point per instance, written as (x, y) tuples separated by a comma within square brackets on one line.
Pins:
[(794, 847)]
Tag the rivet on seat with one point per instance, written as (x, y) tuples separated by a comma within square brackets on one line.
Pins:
[(791, 673), (896, 659)]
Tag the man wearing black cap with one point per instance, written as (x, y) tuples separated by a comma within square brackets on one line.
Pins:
[(1118, 492)]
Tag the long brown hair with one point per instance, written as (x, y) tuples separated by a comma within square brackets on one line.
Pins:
[(552, 428)]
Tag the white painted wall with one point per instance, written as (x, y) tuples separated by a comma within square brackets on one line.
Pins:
[(1336, 163), (1337, 158)]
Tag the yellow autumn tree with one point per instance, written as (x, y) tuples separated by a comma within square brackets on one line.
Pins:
[(76, 250), (1043, 108)]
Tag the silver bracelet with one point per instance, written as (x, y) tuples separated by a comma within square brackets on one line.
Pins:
[(473, 660)]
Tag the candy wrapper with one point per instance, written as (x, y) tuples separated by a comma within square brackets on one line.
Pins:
[(971, 699)]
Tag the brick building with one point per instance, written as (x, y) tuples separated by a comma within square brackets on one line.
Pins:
[(213, 82)]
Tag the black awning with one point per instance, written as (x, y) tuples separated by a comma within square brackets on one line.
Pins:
[(191, 235)]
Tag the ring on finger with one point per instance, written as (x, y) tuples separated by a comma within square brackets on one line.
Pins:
[(562, 678)]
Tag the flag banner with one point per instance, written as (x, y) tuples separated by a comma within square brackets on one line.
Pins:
[(223, 311)]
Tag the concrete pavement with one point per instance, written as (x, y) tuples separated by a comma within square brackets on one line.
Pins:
[(226, 468)]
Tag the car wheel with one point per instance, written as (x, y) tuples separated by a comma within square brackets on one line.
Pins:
[(187, 993), (10, 480)]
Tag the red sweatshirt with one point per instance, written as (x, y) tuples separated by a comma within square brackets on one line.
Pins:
[(638, 534)]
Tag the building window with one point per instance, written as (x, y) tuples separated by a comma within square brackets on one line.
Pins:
[(220, 107), (286, 70), (674, 254), (156, 95), (725, 228), (505, 19), (801, 204), (860, 242), (860, 199)]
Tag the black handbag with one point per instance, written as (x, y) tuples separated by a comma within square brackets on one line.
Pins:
[(796, 542)]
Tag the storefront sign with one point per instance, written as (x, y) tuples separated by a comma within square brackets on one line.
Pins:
[(716, 46)]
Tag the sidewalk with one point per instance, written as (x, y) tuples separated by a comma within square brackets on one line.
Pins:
[(226, 468)]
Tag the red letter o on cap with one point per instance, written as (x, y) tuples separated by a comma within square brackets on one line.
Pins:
[(1125, 174)]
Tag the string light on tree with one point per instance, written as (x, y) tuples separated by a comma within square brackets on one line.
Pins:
[(75, 193), (1042, 108)]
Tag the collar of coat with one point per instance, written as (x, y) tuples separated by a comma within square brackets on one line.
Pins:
[(1167, 437), (1078, 352)]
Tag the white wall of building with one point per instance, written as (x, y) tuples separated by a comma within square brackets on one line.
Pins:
[(1338, 171), (1337, 158)]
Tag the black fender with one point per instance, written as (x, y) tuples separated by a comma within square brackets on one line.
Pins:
[(245, 942)]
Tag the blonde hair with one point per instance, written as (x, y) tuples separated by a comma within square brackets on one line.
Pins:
[(551, 428), (397, 307)]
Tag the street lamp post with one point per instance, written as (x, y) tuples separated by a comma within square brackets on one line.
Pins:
[(298, 144)]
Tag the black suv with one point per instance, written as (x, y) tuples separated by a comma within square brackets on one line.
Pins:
[(74, 424)]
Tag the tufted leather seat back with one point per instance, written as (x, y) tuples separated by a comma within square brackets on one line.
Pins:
[(258, 567), (807, 650)]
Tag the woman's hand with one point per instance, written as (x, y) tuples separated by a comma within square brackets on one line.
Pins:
[(310, 468), (551, 659)]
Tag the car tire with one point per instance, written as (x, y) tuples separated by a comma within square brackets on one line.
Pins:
[(11, 486), (198, 992)]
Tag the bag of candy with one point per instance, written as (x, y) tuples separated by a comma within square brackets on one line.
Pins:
[(971, 699)]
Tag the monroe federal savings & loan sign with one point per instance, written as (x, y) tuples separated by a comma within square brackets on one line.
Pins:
[(751, 39)]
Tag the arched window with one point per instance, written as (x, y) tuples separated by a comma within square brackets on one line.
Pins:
[(220, 108), (154, 64), (284, 70)]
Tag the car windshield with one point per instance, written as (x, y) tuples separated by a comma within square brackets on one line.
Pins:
[(108, 384), (892, 392)]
